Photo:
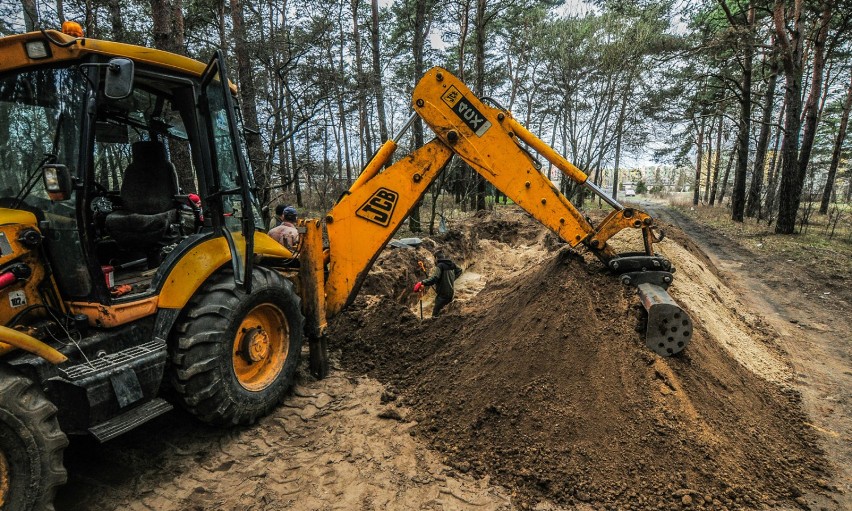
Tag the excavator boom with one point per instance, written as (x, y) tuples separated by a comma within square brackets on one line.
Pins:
[(501, 150)]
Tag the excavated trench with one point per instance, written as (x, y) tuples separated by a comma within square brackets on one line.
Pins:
[(536, 379)]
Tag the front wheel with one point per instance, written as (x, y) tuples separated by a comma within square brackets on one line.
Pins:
[(235, 355), (31, 445)]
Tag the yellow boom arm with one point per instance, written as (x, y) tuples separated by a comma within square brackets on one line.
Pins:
[(495, 145)]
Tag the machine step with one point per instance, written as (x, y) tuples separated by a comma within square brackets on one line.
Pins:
[(111, 361), (130, 419)]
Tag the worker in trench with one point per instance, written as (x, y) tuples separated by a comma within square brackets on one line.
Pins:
[(444, 279)]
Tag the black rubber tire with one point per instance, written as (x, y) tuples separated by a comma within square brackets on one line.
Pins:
[(201, 352), (31, 443)]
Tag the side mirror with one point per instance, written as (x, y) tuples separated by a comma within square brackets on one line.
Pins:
[(119, 78), (57, 181)]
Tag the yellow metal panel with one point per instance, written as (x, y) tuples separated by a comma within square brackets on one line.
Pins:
[(196, 266), (16, 216), (483, 137), (115, 315), (375, 165), (24, 292), (312, 279), (13, 53), (362, 223)]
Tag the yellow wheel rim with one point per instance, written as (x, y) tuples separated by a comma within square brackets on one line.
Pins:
[(261, 345), (4, 479)]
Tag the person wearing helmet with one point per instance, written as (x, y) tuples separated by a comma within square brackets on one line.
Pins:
[(444, 279), (286, 232)]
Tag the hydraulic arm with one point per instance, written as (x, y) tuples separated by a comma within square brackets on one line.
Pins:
[(500, 149)]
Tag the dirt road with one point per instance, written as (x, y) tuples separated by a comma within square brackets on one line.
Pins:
[(809, 308)]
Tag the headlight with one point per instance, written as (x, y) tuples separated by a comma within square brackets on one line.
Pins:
[(37, 49)]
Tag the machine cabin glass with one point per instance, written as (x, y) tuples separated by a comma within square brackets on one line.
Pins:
[(231, 176), (40, 123)]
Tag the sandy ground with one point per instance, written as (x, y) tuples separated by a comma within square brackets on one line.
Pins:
[(341, 443), (805, 328), (327, 448)]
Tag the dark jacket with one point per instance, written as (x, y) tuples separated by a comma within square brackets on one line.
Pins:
[(444, 278)]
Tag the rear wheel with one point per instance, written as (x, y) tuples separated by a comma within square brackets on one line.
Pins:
[(235, 355), (31, 445)]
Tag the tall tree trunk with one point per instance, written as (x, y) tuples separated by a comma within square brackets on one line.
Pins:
[(167, 33), (417, 128), (89, 26), (479, 82), (696, 192), (718, 160), (791, 58), (812, 105), (744, 135), (709, 158), (294, 163), (774, 170), (835, 154), (116, 21), (378, 88), (754, 191), (619, 133), (248, 96), (341, 111), (167, 30), (31, 20), (359, 69), (725, 178)]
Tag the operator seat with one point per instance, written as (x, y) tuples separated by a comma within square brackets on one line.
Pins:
[(148, 191)]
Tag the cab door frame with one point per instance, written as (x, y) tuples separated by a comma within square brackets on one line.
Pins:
[(215, 79)]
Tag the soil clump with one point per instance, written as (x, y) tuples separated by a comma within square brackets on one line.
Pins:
[(539, 382)]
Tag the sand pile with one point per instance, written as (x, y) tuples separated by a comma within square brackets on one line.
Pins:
[(540, 382)]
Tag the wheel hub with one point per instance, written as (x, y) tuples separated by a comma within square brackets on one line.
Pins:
[(255, 344), (260, 347), (4, 479)]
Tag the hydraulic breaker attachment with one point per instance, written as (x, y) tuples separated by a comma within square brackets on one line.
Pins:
[(668, 328)]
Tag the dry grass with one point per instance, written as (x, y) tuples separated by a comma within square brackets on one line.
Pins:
[(813, 247)]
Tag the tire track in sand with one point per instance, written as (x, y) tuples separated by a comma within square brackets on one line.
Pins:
[(324, 448)]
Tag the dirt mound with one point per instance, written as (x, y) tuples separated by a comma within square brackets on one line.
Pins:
[(395, 272), (540, 382)]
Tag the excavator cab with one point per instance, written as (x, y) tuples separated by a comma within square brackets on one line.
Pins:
[(128, 254)]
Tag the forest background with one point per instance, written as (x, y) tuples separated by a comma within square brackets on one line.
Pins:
[(741, 104)]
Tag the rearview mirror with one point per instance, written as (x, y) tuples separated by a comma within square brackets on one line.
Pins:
[(119, 78), (57, 181)]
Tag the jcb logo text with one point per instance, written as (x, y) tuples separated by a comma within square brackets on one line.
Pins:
[(379, 208)]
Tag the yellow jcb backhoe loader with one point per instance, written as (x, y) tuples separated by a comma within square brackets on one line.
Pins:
[(117, 276)]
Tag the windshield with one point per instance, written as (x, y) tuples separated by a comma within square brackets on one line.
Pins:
[(39, 119)]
